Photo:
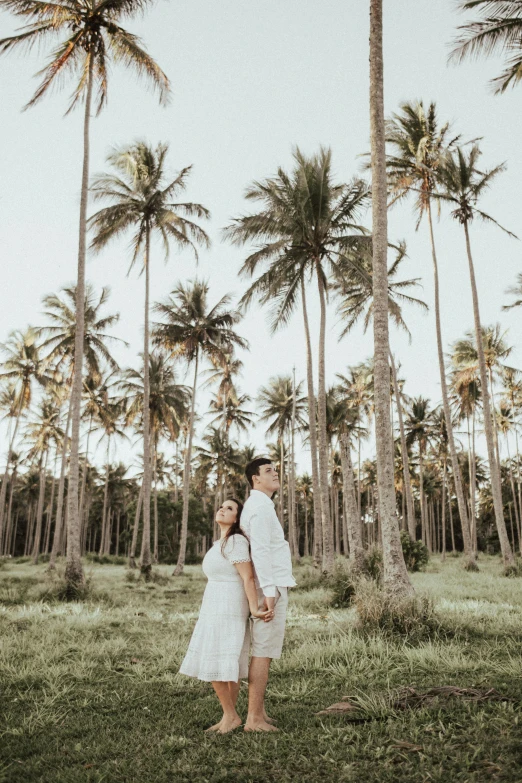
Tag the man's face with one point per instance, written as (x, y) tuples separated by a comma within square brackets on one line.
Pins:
[(268, 479)]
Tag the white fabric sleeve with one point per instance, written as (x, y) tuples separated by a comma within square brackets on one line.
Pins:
[(237, 549), (261, 554)]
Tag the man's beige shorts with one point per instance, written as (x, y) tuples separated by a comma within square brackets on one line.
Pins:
[(267, 638)]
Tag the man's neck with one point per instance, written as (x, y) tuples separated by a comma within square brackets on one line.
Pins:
[(266, 492)]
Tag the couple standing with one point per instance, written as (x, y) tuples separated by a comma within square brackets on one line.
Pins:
[(249, 571)]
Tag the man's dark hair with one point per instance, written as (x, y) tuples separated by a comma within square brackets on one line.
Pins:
[(252, 469)]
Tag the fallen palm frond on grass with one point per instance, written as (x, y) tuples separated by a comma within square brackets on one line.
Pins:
[(363, 707)]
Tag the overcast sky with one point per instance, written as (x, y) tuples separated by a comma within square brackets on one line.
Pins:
[(251, 80)]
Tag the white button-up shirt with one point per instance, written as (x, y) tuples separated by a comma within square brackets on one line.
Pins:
[(269, 549)]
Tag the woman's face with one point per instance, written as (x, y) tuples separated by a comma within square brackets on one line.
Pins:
[(227, 514)]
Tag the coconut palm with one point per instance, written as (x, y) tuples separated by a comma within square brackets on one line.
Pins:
[(306, 224), (59, 346), (498, 29), (276, 403), (195, 331), (92, 38), (356, 302), (516, 291), (419, 428), (418, 147), (41, 433), (463, 183), (142, 201), (22, 366), (396, 578)]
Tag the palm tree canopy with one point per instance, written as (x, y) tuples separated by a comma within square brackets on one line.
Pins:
[(276, 403), (141, 199), (355, 289), (419, 423), (88, 37), (417, 146), (306, 225), (462, 183), (168, 400), (23, 364), (191, 326), (516, 291), (59, 334), (498, 29)]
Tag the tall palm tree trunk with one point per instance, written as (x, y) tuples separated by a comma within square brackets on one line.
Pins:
[(457, 476), (61, 491), (410, 508), (422, 499), (353, 520), (494, 469), (85, 468), (39, 513), (134, 541), (8, 531), (104, 512), (186, 477), (155, 502), (145, 558), (326, 518), (282, 479), (313, 433), (292, 522), (73, 569), (50, 506), (396, 578), (5, 479), (443, 513)]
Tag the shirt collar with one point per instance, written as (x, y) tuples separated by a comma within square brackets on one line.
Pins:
[(258, 495)]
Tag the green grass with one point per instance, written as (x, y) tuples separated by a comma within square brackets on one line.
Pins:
[(91, 692)]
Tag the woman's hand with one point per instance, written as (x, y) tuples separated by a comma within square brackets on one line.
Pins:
[(263, 614)]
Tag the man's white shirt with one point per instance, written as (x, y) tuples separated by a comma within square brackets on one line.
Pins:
[(269, 549)]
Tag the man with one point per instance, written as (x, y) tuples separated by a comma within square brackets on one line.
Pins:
[(273, 576)]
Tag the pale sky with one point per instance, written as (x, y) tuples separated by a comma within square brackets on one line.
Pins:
[(251, 80)]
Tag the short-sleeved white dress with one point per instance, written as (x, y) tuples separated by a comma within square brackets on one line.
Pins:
[(220, 643)]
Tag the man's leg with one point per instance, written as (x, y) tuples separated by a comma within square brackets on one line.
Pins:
[(257, 681), (234, 687), (230, 720)]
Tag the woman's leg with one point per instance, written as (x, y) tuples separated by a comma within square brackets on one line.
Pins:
[(234, 691), (230, 720)]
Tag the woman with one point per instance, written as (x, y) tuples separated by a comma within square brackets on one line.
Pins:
[(218, 649)]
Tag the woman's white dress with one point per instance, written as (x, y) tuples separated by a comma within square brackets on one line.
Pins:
[(220, 643)]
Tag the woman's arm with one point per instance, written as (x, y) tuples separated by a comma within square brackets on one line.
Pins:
[(246, 572)]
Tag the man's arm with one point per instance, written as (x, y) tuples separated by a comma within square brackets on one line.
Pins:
[(261, 554)]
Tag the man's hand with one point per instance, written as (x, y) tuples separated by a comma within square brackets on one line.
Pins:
[(269, 603)]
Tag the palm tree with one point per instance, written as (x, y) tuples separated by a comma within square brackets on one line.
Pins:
[(92, 36), (107, 419), (276, 402), (59, 345), (356, 302), (42, 432), (462, 185), (168, 407), (419, 148), (195, 331), (499, 29), (306, 225), (516, 291), (142, 201), (419, 427), (396, 578), (22, 366)]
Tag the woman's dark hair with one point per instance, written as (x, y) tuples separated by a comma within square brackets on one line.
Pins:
[(236, 527)]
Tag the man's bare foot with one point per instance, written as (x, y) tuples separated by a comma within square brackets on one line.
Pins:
[(259, 725), (215, 727), (229, 724), (269, 720)]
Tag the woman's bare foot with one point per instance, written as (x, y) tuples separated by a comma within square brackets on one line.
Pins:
[(215, 727), (269, 720), (229, 724), (259, 725)]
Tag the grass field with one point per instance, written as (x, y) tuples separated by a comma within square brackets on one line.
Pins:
[(90, 691)]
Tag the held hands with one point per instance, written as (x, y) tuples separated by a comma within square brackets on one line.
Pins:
[(266, 611)]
